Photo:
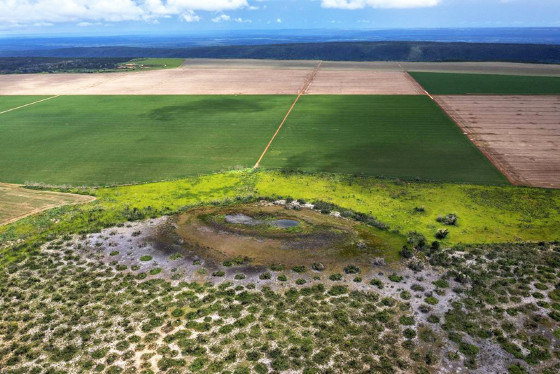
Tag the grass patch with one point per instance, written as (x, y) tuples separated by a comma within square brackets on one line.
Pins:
[(462, 84), (152, 63)]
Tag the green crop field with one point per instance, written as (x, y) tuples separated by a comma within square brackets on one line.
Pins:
[(157, 63), (487, 84), (391, 136), (125, 139)]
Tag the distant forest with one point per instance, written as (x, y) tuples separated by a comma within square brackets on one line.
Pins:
[(28, 65), (102, 58)]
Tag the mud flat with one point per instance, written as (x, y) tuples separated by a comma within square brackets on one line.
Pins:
[(520, 134)]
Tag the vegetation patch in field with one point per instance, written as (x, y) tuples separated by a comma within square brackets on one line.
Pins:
[(463, 84), (406, 137), (151, 64)]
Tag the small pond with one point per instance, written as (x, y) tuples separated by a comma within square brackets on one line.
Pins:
[(250, 221)]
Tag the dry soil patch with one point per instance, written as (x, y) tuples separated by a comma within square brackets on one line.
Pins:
[(17, 202)]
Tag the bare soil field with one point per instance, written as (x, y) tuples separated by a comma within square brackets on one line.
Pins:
[(520, 134), (18, 202), (230, 77), (182, 81), (364, 82)]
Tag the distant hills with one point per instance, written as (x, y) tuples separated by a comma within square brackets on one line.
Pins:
[(334, 51)]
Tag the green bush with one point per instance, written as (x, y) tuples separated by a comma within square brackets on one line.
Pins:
[(377, 283), (468, 349), (335, 277)]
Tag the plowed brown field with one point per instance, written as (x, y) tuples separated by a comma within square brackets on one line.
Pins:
[(520, 134)]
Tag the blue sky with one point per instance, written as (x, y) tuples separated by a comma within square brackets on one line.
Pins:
[(81, 17)]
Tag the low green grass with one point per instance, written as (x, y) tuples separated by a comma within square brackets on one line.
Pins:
[(156, 63), (100, 140), (462, 84), (391, 136)]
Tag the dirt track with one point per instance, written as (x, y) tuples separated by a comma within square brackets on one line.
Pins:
[(520, 134)]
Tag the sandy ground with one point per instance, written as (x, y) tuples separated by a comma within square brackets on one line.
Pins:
[(17, 202), (521, 134), (197, 77)]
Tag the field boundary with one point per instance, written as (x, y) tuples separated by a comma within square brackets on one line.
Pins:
[(415, 82), (26, 105), (301, 92)]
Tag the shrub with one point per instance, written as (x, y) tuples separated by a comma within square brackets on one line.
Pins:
[(450, 219), (395, 278), (265, 276), (338, 290), (239, 276), (351, 269), (276, 267), (433, 319), (282, 277), (409, 333), (299, 269), (405, 295), (406, 320), (406, 252), (441, 283), (431, 300), (146, 258), (517, 369), (218, 273), (377, 283), (317, 266), (442, 233), (301, 281), (416, 240), (155, 271), (335, 277), (468, 349)]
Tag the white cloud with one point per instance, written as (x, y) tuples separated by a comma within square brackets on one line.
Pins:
[(29, 12), (221, 18), (278, 20), (190, 16), (361, 4)]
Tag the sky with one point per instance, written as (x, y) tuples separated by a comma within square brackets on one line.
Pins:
[(110, 17)]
